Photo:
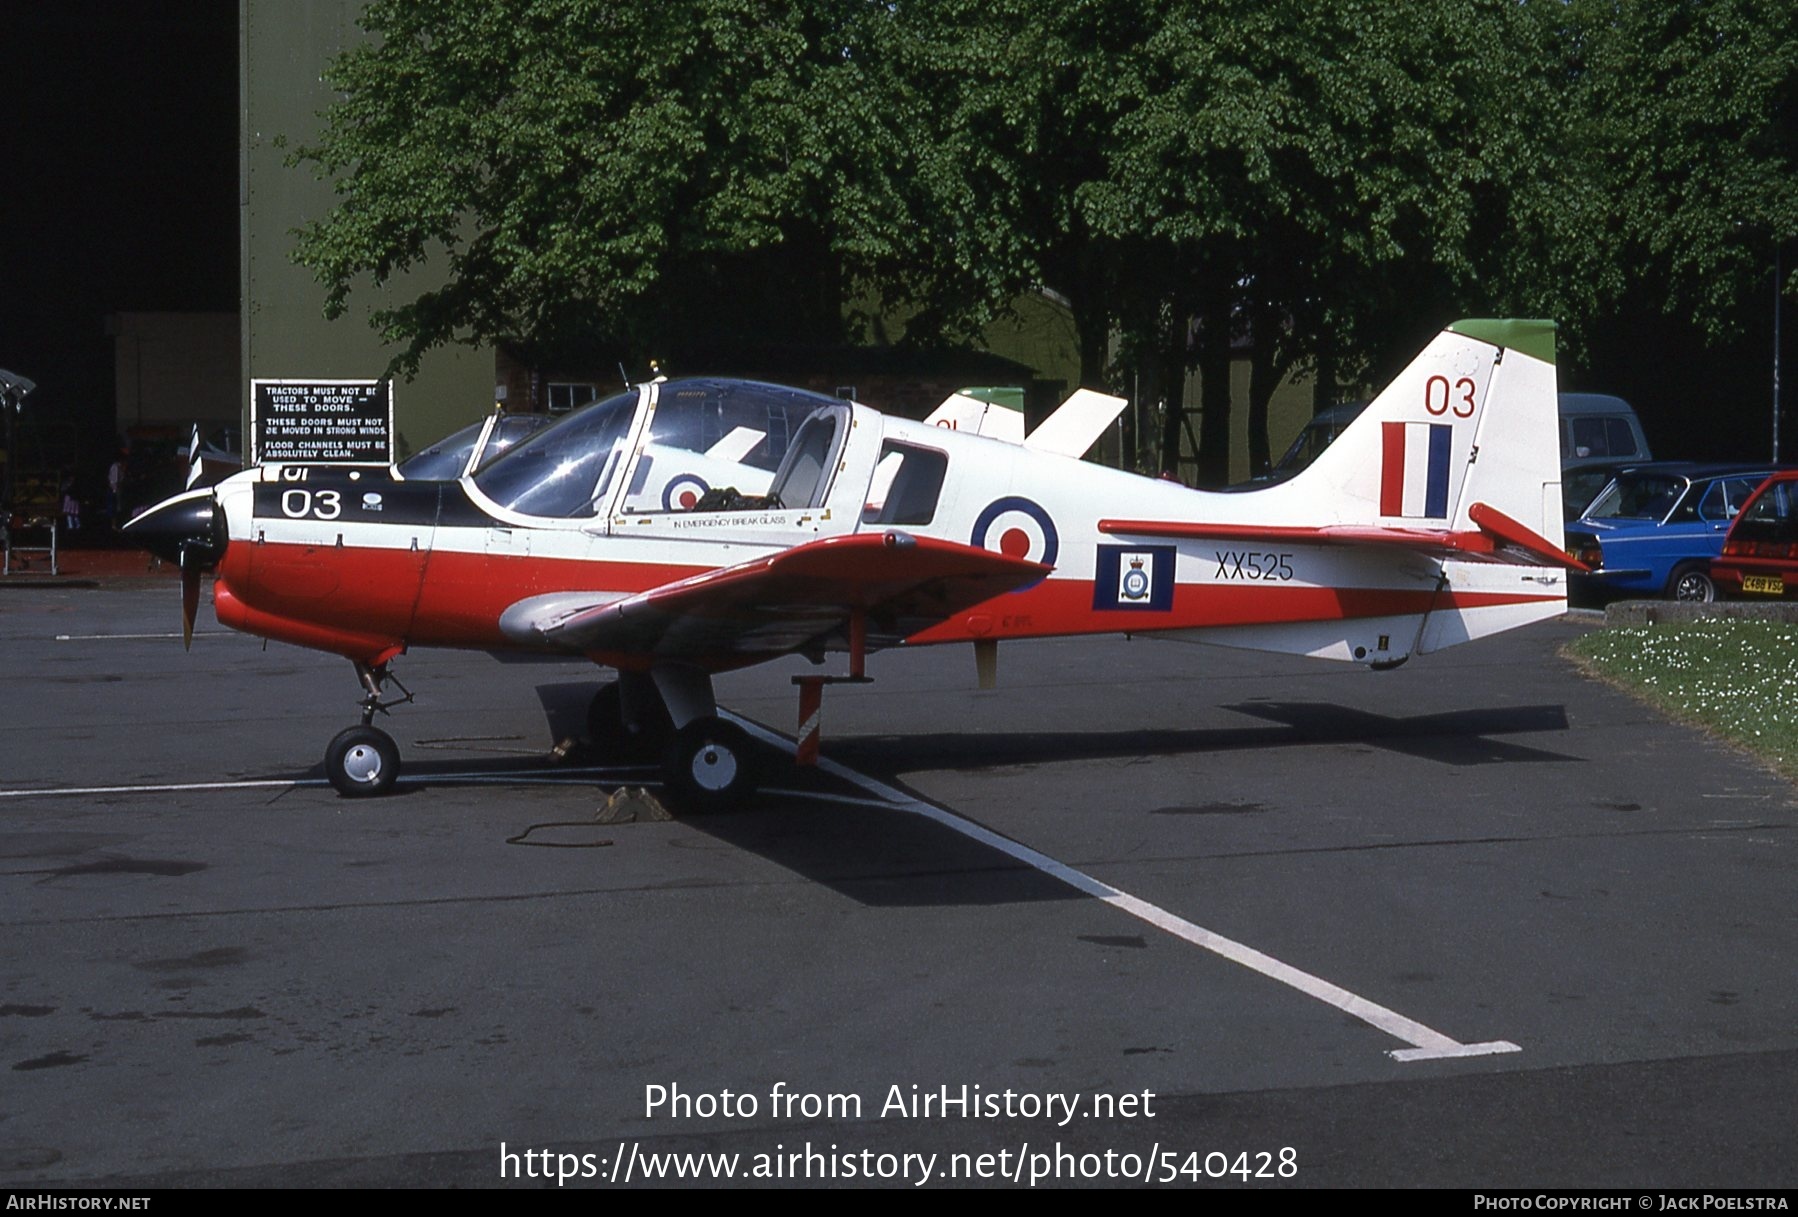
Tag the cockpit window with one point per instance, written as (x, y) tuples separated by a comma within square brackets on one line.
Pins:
[(443, 460), (804, 475), (508, 432), (563, 471), (710, 437), (448, 457)]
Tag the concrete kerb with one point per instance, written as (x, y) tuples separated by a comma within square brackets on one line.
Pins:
[(1676, 612)]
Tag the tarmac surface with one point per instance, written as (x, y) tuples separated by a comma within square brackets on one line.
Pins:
[(1478, 922)]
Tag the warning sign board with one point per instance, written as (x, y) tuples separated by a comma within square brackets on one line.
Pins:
[(335, 422)]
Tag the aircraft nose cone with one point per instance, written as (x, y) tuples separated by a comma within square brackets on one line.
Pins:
[(187, 529)]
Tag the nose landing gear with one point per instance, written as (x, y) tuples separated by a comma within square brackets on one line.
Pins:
[(363, 760)]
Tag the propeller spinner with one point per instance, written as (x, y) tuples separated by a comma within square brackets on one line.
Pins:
[(188, 530)]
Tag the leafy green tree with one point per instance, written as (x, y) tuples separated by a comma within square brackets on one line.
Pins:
[(1326, 180), (1006, 108), (1323, 170), (1677, 158), (565, 169)]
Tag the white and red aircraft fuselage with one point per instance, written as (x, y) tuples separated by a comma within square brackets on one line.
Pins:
[(685, 528)]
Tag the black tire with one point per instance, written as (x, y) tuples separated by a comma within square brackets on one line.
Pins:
[(1691, 581), (362, 762), (710, 765), (613, 741)]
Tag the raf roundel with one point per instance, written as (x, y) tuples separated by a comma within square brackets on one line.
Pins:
[(682, 492), (1018, 528)]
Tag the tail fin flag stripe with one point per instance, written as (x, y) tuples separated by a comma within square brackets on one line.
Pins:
[(1392, 469), (1436, 500), (1414, 469)]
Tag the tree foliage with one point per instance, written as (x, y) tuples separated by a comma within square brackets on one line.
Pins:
[(1684, 117), (1320, 181), (547, 163)]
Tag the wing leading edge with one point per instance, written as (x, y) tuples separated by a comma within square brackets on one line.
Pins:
[(799, 599)]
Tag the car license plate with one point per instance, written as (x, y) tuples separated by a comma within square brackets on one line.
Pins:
[(1767, 585)]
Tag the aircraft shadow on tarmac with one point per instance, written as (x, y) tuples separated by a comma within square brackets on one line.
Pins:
[(805, 821), (881, 857), (877, 856), (872, 855), (1460, 737), (829, 833)]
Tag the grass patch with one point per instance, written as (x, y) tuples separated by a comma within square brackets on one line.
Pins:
[(1736, 679)]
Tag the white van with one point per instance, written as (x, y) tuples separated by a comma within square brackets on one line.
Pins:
[(1599, 435), (1597, 426)]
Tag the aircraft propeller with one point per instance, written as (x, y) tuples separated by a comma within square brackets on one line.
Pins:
[(188, 530)]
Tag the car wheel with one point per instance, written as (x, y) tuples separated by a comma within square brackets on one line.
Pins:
[(1692, 581)]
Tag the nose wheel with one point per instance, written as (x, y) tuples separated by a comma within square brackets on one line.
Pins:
[(362, 761)]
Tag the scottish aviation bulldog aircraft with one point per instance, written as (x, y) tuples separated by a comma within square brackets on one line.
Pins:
[(689, 527)]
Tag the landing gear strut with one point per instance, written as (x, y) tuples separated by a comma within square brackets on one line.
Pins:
[(670, 714), (363, 760), (627, 723)]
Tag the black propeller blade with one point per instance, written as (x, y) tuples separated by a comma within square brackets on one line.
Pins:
[(190, 599), (188, 530)]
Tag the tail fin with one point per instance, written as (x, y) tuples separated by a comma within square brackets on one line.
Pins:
[(1473, 421)]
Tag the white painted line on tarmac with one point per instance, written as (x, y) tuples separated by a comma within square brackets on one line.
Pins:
[(1426, 1043), (561, 777), (158, 788), (139, 637), (583, 776)]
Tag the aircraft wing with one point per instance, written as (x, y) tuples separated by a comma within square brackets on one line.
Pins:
[(1499, 538), (794, 600)]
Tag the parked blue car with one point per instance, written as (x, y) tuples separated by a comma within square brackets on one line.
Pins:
[(1655, 529)]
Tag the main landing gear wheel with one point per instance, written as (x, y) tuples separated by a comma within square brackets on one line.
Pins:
[(614, 741), (710, 765), (362, 761)]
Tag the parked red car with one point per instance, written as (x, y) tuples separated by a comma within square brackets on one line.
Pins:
[(1760, 555)]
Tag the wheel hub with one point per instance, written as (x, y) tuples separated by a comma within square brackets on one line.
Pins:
[(362, 764), (714, 767)]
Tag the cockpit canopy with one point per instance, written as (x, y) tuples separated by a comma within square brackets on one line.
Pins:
[(705, 435), (447, 459)]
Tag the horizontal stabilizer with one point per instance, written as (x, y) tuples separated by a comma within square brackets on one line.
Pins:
[(1076, 424), (736, 446), (972, 416), (1498, 537)]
